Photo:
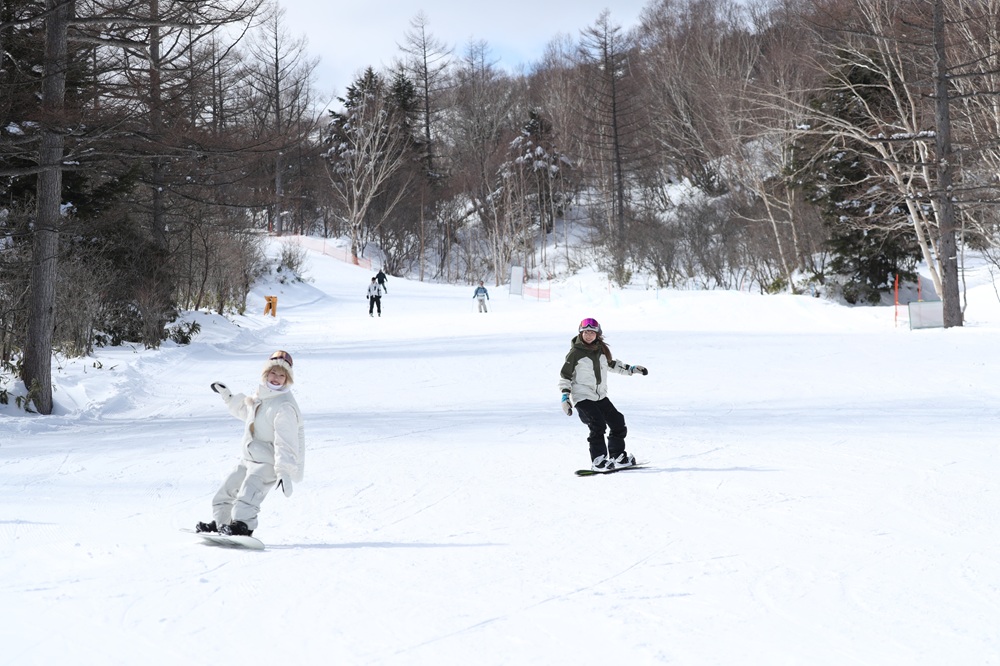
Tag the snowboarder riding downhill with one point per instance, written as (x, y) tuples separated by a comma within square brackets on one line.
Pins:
[(272, 449), (583, 382)]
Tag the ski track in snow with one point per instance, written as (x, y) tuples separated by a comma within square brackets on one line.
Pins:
[(821, 488)]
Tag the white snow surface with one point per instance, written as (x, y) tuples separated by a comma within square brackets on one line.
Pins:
[(822, 488)]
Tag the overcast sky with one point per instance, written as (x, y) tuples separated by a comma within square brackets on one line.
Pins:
[(348, 37)]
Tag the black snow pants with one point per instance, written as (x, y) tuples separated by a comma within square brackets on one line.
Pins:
[(601, 416)]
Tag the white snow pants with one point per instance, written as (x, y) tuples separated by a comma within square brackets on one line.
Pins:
[(242, 492), (482, 304)]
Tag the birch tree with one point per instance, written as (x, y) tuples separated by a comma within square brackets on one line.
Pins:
[(760, 141), (369, 146), (873, 105)]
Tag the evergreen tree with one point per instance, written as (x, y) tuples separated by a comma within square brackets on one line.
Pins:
[(544, 166), (370, 147), (870, 235)]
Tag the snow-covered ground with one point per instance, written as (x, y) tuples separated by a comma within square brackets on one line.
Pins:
[(822, 488)]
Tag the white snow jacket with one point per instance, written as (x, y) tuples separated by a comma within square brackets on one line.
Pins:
[(374, 289), (585, 372), (272, 430)]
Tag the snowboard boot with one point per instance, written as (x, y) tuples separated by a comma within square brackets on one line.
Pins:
[(603, 464), (206, 527), (236, 528), (624, 460)]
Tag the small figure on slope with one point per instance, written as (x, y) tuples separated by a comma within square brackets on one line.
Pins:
[(583, 381), (272, 449), (482, 296), (374, 298), (380, 277)]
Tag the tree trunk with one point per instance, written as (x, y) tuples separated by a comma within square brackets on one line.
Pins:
[(947, 246), (37, 371)]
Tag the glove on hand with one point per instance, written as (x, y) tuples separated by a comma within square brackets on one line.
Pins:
[(285, 485), (567, 406), (221, 389), (632, 369)]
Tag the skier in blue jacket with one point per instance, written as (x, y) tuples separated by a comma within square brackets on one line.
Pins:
[(482, 295)]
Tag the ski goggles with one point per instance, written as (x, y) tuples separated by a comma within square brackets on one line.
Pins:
[(282, 356), (590, 324)]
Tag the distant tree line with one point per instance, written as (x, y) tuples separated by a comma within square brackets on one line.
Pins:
[(146, 146)]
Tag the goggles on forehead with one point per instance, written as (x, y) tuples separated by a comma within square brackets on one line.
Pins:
[(282, 356), (590, 324)]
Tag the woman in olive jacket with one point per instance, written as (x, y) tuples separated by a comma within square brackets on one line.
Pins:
[(583, 381)]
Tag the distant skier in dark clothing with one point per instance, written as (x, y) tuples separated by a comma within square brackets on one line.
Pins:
[(374, 298), (381, 281), (483, 296), (583, 381)]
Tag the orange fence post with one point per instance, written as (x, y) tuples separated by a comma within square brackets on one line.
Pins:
[(895, 291)]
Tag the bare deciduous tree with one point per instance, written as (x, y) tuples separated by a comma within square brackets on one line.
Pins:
[(485, 100), (279, 73), (760, 140), (554, 89), (369, 146), (613, 121)]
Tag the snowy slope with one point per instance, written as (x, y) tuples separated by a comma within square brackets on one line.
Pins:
[(822, 488)]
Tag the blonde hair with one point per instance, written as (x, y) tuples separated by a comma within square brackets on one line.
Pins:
[(279, 359)]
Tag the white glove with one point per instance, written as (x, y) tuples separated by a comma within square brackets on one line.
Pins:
[(221, 389), (632, 369), (285, 485), (567, 406)]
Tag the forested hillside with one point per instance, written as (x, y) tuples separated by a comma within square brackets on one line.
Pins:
[(147, 147)]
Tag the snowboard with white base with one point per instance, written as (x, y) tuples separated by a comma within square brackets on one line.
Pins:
[(594, 472), (228, 541)]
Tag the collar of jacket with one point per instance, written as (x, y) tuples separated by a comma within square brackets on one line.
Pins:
[(265, 392)]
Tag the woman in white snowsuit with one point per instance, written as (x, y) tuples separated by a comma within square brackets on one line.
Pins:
[(272, 448), (583, 381)]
